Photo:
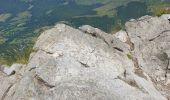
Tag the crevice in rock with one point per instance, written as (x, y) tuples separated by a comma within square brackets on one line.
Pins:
[(43, 82), (169, 20), (159, 35), (13, 73), (6, 92), (46, 51), (85, 65), (96, 35), (125, 73), (32, 68), (139, 72), (118, 49), (167, 69), (135, 61), (92, 34), (130, 82), (129, 42), (13, 94), (105, 41)]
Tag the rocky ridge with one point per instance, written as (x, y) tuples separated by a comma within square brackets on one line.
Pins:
[(89, 64)]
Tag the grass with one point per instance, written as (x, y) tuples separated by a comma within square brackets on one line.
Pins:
[(21, 19), (158, 8), (16, 55), (4, 17), (129, 56), (161, 11), (91, 2), (109, 8)]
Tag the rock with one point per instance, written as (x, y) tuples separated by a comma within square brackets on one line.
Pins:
[(166, 16), (110, 40), (12, 70), (151, 39), (8, 71), (122, 35), (89, 64)]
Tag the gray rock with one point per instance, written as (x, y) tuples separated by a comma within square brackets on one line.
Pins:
[(110, 40), (166, 16), (151, 39), (12, 69), (122, 35)]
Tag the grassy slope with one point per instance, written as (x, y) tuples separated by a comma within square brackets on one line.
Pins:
[(157, 7), (90, 2), (109, 8)]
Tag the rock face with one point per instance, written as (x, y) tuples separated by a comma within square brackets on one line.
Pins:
[(89, 64), (151, 39)]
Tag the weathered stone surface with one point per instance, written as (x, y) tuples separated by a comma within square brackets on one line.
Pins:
[(111, 41), (12, 69), (89, 64), (122, 35), (151, 39)]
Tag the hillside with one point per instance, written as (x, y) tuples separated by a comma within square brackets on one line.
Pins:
[(21, 21)]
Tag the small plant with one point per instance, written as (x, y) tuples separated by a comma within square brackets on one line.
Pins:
[(129, 56)]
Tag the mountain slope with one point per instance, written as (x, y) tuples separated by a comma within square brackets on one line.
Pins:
[(21, 21), (89, 64)]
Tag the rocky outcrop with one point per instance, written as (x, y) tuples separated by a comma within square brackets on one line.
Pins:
[(151, 39), (89, 64)]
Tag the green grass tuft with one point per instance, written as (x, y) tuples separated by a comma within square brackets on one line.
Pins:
[(129, 56)]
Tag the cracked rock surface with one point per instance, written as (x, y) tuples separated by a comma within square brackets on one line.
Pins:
[(89, 64), (151, 39)]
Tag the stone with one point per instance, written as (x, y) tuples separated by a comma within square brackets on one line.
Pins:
[(122, 35), (151, 39), (8, 71), (166, 16), (12, 69)]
